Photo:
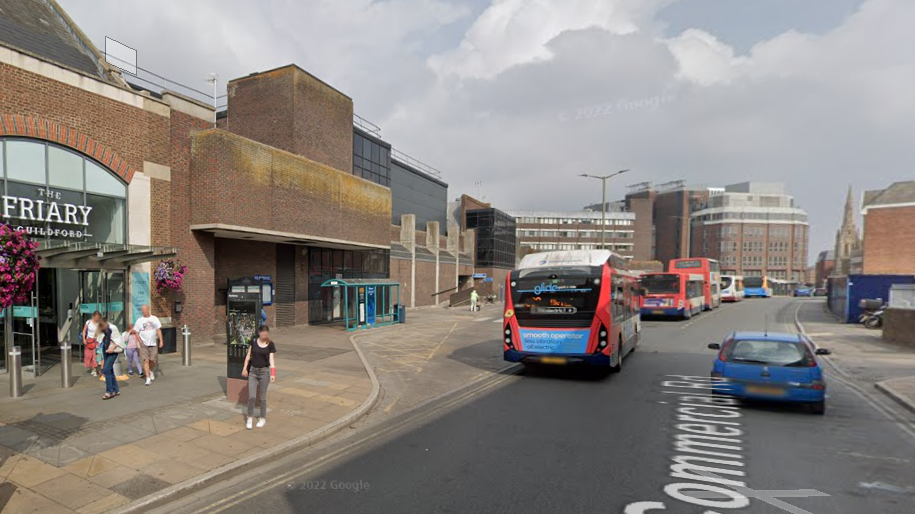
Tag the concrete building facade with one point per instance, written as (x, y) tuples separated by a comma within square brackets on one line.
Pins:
[(576, 230), (753, 229)]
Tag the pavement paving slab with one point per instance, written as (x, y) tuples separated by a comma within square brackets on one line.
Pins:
[(861, 354), (66, 450)]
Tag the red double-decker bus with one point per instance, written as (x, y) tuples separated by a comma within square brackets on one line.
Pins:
[(678, 295), (564, 307), (711, 276)]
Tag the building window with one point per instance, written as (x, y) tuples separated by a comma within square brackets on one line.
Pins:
[(91, 199), (371, 159), (496, 237)]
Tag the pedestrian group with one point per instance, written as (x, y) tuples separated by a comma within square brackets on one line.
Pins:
[(103, 342)]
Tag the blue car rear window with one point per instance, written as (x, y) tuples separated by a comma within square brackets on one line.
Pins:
[(769, 353)]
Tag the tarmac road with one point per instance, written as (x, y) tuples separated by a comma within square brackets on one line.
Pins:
[(560, 441)]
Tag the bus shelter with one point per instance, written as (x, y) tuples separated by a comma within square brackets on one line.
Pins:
[(367, 302)]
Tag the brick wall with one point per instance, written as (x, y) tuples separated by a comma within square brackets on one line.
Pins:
[(291, 109), (899, 326), (446, 280), (236, 258), (889, 239), (425, 283), (400, 272), (195, 250), (236, 181), (643, 237), (133, 134)]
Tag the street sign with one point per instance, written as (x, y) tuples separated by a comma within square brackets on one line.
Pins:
[(487, 279), (479, 275)]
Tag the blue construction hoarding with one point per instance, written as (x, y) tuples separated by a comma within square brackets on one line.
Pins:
[(845, 293)]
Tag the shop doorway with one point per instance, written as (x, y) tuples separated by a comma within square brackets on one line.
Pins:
[(103, 291)]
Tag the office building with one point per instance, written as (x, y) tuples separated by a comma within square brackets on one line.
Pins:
[(576, 230), (752, 229)]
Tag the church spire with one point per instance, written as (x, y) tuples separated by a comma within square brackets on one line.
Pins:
[(848, 221)]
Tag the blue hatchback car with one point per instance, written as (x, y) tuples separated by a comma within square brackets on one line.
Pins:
[(771, 366), (803, 291)]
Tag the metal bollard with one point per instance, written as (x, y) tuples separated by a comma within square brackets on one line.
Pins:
[(186, 346), (66, 360), (15, 363)]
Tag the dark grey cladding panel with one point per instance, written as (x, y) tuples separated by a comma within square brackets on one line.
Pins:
[(413, 192)]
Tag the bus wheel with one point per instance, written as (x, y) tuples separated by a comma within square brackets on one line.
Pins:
[(619, 362), (687, 313)]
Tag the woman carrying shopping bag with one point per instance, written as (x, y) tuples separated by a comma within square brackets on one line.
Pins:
[(113, 345)]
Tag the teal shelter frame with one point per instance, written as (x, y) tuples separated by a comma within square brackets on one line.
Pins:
[(387, 312)]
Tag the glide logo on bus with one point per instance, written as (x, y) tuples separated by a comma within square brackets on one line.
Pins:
[(543, 287), (554, 341)]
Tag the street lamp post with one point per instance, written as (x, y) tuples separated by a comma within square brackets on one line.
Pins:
[(603, 203)]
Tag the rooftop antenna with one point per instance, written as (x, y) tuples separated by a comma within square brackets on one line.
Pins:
[(214, 78)]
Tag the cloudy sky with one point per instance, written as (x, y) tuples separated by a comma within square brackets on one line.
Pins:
[(512, 99)]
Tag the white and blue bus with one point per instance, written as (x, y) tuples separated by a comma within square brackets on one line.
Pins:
[(756, 287)]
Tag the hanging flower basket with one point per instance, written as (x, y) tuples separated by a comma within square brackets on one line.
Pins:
[(18, 266), (169, 276)]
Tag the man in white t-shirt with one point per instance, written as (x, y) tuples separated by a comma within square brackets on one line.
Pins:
[(149, 330)]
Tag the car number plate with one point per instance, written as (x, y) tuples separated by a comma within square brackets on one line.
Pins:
[(553, 360), (657, 312), (766, 391)]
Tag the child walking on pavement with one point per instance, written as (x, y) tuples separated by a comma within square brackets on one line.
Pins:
[(133, 353)]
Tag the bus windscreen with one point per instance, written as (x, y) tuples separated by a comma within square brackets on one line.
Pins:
[(726, 282), (541, 294), (753, 282), (661, 284)]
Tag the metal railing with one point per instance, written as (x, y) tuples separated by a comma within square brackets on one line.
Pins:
[(366, 125), (415, 163)]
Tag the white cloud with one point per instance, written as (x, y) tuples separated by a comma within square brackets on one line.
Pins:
[(514, 32), (480, 99), (703, 59)]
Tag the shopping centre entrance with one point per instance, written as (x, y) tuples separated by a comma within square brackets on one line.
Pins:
[(65, 298), (76, 209)]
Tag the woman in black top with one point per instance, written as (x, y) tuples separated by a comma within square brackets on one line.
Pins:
[(262, 372)]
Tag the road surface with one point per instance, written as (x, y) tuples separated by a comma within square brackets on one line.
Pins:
[(554, 441)]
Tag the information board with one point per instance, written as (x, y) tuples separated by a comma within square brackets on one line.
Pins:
[(370, 305), (139, 296)]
